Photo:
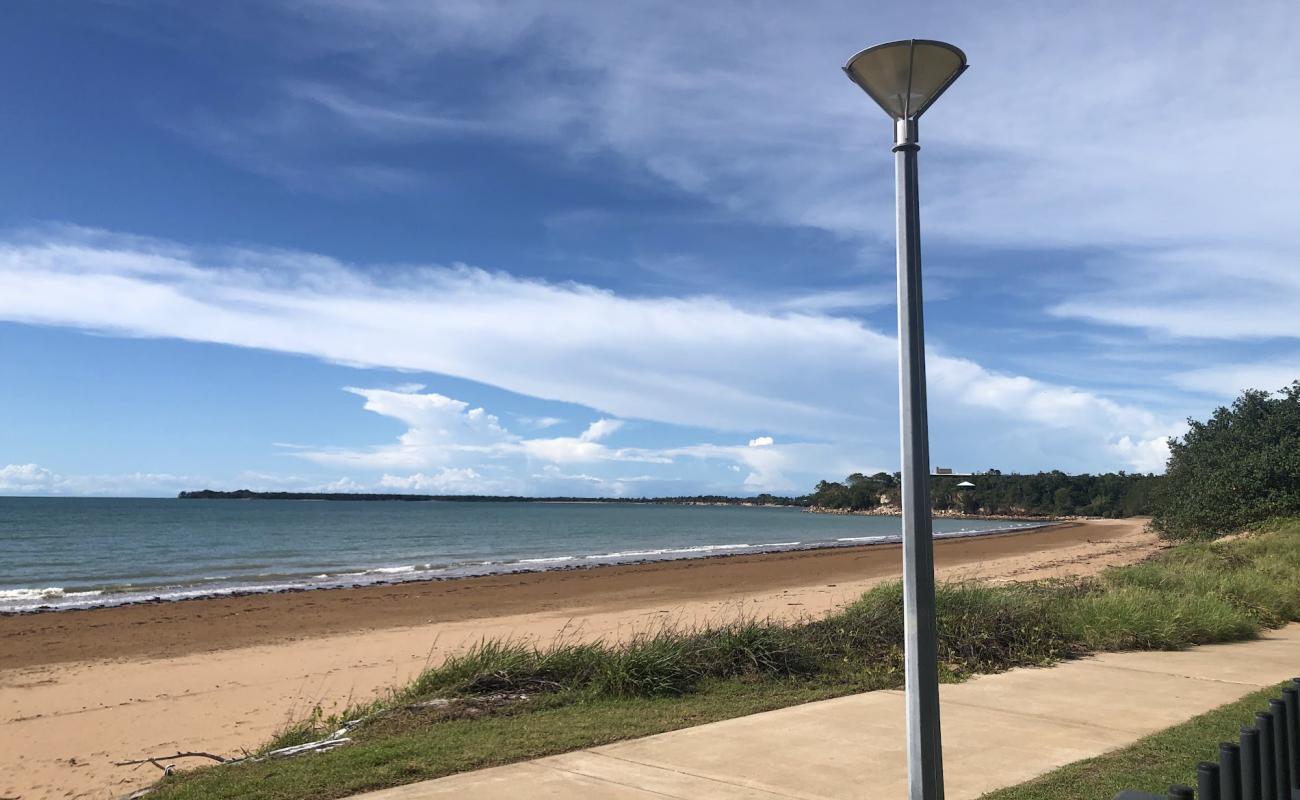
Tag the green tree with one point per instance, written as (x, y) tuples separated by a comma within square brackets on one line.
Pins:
[(1041, 494), (1239, 467)]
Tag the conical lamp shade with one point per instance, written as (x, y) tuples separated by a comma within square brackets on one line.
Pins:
[(906, 77)]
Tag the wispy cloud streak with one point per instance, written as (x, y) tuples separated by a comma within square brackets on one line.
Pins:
[(694, 361)]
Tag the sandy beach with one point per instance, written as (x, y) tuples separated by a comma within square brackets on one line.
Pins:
[(81, 689)]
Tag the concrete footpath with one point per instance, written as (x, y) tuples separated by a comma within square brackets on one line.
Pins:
[(998, 730)]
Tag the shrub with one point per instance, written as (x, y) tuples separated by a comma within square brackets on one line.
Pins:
[(1240, 467)]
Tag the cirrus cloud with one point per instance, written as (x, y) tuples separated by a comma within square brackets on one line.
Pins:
[(697, 361)]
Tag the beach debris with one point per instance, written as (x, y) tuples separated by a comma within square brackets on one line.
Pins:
[(338, 738), (466, 707), (321, 746), (156, 760)]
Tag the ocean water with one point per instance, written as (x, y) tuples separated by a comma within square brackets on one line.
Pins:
[(80, 552)]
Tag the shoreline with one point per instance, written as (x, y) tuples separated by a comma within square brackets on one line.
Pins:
[(170, 628), (294, 584), (83, 689)]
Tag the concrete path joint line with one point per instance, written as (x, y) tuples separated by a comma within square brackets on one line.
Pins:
[(1073, 723), (696, 776), (1182, 675), (603, 779)]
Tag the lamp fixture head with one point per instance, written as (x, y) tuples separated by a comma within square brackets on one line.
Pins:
[(907, 76)]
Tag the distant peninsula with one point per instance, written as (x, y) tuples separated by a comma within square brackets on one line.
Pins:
[(711, 500)]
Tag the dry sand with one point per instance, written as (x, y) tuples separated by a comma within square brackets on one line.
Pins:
[(81, 689)]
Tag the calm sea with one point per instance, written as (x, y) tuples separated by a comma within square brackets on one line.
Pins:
[(73, 552)]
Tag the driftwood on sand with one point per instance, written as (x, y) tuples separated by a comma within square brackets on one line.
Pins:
[(338, 738)]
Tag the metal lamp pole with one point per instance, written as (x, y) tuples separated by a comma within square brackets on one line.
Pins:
[(920, 633), (905, 78)]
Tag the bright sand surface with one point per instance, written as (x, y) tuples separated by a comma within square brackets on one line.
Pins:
[(81, 689)]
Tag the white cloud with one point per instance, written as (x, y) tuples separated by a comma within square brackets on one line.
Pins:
[(1229, 381), (1024, 150), (1110, 130), (854, 300), (1240, 292), (695, 361), (600, 429), (445, 481), (26, 478), (584, 448), (540, 423), (465, 456), (787, 468), (436, 425), (441, 430), (33, 479)]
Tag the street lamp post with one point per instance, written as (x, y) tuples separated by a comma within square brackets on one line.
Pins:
[(905, 78)]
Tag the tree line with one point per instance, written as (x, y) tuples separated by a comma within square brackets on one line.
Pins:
[(1111, 494), (1238, 468)]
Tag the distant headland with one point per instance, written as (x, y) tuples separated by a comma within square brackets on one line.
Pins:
[(698, 500)]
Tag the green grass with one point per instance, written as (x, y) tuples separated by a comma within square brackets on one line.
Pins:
[(1151, 764), (408, 751), (516, 700)]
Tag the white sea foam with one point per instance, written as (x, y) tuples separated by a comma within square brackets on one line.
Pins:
[(551, 560), (48, 593), (666, 551), (703, 548)]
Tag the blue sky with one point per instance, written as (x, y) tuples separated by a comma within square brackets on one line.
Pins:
[(625, 249)]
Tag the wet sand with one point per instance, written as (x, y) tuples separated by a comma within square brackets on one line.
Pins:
[(80, 689)]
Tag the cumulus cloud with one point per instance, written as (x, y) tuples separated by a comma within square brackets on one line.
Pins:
[(33, 479), (444, 481), (501, 462), (27, 478), (696, 361)]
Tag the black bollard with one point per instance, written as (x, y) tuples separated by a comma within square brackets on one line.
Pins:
[(1291, 697), (1267, 761), (1250, 764), (1281, 750), (1207, 781), (1229, 771), (1180, 792)]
